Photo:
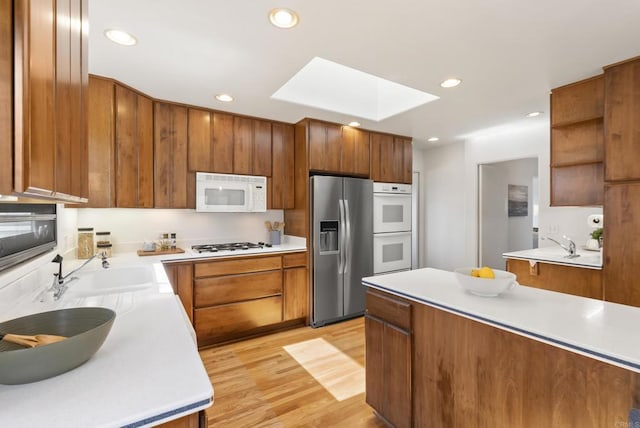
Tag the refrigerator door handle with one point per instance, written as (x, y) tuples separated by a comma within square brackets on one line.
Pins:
[(347, 246), (341, 243)]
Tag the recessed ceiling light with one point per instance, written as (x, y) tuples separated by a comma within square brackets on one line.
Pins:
[(283, 18), (534, 114), (451, 83), (433, 139), (120, 37), (226, 98), (354, 124)]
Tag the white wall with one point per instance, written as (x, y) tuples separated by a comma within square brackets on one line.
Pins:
[(444, 196), (451, 208), (131, 227)]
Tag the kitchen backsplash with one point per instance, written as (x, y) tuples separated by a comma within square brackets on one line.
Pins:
[(131, 227)]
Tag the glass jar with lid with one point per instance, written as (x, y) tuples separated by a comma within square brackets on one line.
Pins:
[(103, 238), (104, 248), (85, 242)]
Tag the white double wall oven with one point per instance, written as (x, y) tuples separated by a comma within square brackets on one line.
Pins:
[(391, 227)]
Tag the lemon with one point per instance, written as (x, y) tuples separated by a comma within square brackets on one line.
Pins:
[(475, 272), (486, 272)]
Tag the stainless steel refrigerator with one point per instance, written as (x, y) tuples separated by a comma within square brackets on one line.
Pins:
[(342, 242)]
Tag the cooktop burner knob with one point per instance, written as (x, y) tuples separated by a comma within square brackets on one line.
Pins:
[(267, 245), (260, 243)]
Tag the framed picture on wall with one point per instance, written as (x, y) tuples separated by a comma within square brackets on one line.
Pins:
[(518, 197)]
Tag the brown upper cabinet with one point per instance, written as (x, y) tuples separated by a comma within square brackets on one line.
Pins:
[(49, 91), (325, 141), (101, 117), (338, 149), (134, 149), (622, 131), (171, 188), (391, 158), (120, 146), (211, 141), (577, 143), (355, 151), (228, 144), (251, 146), (145, 153)]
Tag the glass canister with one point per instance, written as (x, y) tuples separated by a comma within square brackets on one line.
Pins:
[(103, 238), (85, 242), (103, 243), (104, 248)]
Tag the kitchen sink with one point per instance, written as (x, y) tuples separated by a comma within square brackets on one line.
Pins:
[(110, 281)]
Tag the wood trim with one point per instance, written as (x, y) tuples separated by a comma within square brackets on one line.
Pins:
[(584, 121), (580, 82), (615, 64), (6, 97), (362, 129), (188, 106), (562, 165)]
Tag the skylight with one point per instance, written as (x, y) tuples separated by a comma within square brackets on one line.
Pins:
[(331, 86)]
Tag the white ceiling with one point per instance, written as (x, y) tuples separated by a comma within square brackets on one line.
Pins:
[(508, 53)]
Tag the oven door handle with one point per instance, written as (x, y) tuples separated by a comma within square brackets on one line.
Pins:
[(393, 195), (341, 239)]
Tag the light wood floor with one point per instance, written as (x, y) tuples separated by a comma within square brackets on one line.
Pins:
[(257, 383)]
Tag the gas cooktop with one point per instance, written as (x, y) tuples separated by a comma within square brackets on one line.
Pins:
[(231, 246)]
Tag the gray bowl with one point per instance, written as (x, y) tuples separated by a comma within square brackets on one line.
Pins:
[(85, 329)]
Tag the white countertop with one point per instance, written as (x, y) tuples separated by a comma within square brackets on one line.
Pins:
[(556, 255), (601, 330), (147, 371)]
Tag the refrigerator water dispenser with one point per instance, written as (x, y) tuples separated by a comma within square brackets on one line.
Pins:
[(328, 237)]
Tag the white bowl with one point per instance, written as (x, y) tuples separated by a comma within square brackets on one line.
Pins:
[(486, 287)]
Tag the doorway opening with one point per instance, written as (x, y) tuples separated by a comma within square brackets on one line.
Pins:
[(508, 209)]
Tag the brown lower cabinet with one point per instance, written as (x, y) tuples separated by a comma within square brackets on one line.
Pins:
[(447, 370), (388, 353), (564, 279), (621, 245), (233, 298)]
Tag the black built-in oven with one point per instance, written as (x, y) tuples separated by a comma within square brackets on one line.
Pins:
[(26, 230)]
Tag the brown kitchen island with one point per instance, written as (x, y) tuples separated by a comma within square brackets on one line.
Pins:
[(440, 357)]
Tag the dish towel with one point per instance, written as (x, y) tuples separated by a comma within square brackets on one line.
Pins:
[(634, 418)]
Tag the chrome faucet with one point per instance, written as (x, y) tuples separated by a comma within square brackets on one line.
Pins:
[(60, 283), (571, 249)]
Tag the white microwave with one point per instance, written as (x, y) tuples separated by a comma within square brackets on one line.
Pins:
[(230, 193)]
